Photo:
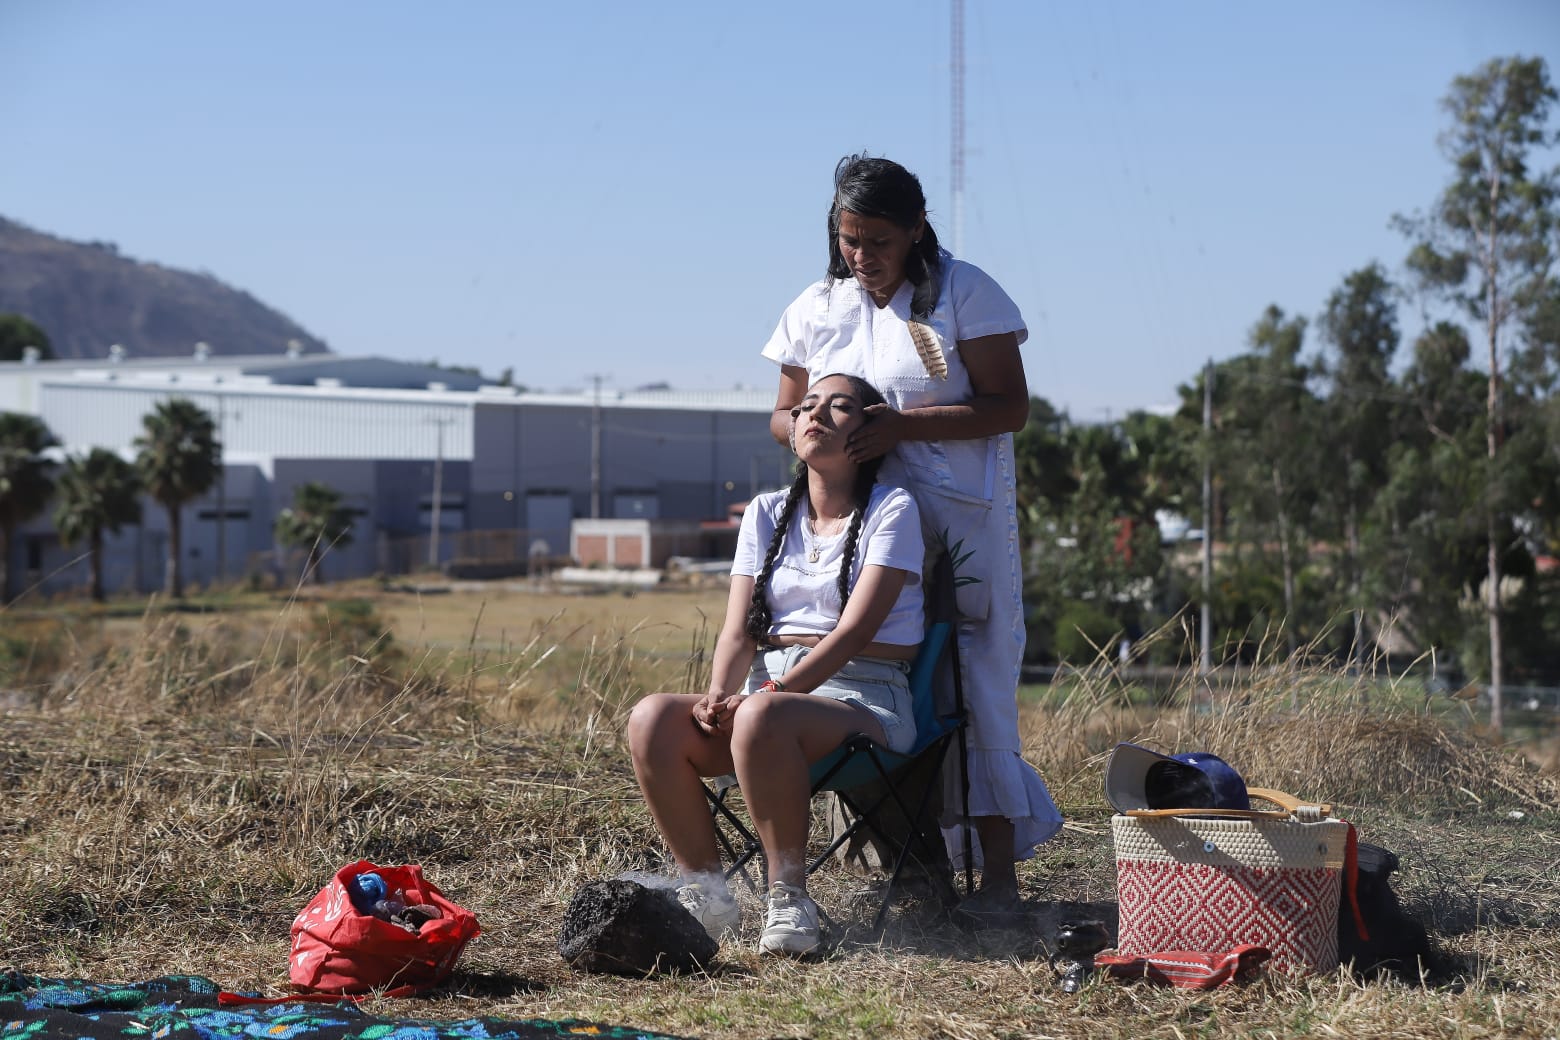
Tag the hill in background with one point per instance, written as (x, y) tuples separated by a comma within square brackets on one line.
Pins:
[(87, 297)]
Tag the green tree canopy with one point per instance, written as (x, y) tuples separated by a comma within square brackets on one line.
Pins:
[(1487, 245), (25, 482), (17, 333), (317, 521), (179, 459), (98, 492), (1359, 326)]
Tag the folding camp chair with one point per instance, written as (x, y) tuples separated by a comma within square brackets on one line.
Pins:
[(859, 761)]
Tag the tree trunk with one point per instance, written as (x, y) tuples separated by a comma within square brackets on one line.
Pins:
[(1352, 535), (5, 563), (1492, 606), (96, 543), (1492, 446), (173, 575), (1286, 556)]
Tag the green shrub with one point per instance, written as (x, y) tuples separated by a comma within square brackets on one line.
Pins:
[(1082, 626)]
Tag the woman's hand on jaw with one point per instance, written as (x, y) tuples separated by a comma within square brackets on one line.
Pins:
[(877, 437)]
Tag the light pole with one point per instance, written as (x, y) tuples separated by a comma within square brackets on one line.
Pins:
[(1207, 518), (595, 447), (438, 491), (221, 488)]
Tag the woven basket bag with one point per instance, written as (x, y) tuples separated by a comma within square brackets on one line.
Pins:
[(1211, 880)]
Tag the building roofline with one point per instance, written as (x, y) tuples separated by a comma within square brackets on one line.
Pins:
[(210, 382)]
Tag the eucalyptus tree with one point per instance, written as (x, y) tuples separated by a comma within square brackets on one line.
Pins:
[(1359, 326), (1270, 418), (317, 522), (25, 483), (179, 459), (1535, 378), (98, 492), (1487, 244), (1426, 529)]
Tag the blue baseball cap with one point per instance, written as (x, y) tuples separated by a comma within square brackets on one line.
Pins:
[(1140, 778)]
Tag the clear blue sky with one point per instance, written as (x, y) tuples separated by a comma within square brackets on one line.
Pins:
[(638, 189)]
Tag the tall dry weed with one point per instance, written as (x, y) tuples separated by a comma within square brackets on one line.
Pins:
[(1363, 738), (172, 799)]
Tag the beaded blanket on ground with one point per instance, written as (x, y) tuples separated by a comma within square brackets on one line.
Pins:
[(184, 1007)]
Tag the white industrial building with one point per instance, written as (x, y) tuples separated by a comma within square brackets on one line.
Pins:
[(514, 469)]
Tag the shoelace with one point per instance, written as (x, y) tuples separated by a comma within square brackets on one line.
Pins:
[(696, 900), (693, 898), (789, 910)]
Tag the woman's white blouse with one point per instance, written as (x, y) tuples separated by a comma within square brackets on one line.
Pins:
[(834, 326), (803, 597)]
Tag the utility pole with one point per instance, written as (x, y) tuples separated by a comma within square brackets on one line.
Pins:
[(438, 491), (221, 488), (956, 145), (1207, 522), (595, 447)]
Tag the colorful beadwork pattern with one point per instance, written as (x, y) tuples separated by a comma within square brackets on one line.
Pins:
[(184, 1007)]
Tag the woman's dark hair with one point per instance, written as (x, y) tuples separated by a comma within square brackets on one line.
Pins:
[(882, 188), (759, 615)]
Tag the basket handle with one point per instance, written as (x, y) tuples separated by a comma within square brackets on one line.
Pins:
[(1288, 801), (1291, 806)]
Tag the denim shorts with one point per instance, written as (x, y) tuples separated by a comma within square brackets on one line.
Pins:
[(880, 685)]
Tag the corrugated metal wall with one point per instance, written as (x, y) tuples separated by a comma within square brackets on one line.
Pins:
[(515, 463), (279, 423)]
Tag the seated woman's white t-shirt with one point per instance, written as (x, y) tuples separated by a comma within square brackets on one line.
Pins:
[(804, 596)]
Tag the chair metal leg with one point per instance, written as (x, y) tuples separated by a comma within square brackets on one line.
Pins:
[(751, 847)]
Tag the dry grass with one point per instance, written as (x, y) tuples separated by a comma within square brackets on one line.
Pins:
[(176, 787)]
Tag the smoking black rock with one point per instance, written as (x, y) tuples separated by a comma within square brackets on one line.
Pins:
[(623, 928)]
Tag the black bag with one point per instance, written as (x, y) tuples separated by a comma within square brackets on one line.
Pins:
[(1398, 941)]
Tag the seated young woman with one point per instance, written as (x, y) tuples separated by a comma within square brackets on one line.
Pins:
[(824, 616)]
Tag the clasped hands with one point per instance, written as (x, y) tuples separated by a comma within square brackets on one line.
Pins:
[(714, 712)]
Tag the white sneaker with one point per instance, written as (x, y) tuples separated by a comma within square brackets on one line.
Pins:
[(791, 926), (715, 909)]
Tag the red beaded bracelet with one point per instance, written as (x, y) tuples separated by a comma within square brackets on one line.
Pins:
[(772, 686)]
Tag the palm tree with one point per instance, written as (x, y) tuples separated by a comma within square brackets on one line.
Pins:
[(25, 484), (316, 521), (179, 460), (98, 492)]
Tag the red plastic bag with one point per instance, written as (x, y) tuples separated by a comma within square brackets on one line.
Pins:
[(336, 949)]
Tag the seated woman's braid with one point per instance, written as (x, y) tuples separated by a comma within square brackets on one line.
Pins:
[(862, 494), (759, 615)]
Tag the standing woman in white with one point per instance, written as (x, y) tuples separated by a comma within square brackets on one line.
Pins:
[(939, 338)]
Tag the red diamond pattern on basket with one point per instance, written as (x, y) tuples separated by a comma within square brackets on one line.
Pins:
[(1187, 906)]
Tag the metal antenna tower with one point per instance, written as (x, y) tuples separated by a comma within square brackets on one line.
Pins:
[(956, 147)]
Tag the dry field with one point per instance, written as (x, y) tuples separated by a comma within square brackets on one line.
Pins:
[(175, 786)]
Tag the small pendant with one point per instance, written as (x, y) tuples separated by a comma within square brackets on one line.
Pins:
[(812, 554)]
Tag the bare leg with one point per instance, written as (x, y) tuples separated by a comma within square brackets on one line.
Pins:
[(671, 755), (775, 738)]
